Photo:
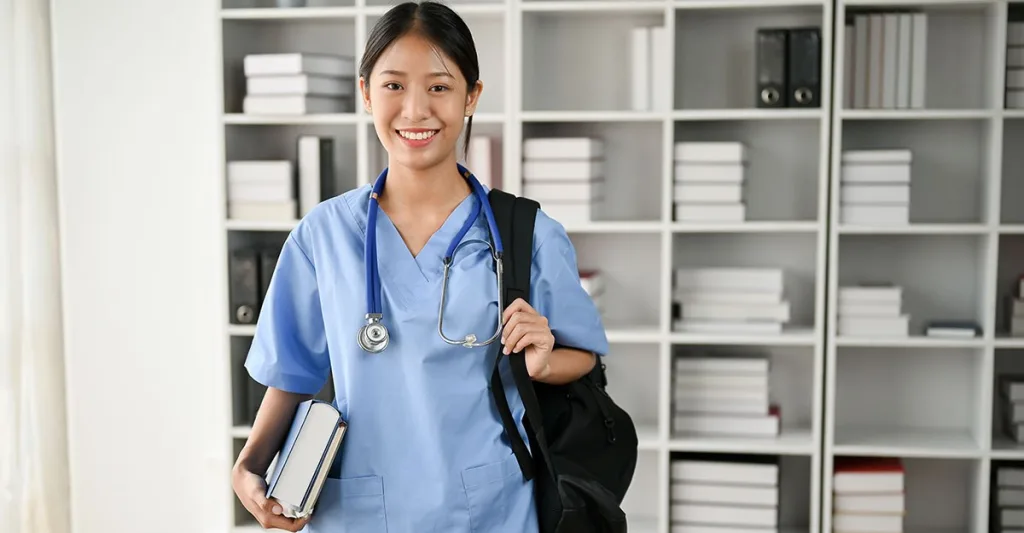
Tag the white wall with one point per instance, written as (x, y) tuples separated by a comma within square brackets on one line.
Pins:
[(138, 149)]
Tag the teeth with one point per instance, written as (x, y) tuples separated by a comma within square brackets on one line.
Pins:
[(417, 136)]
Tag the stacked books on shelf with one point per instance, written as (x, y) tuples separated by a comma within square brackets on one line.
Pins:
[(875, 187), (729, 300), (652, 87), (709, 181), (872, 310), (1008, 498), (593, 284), (1015, 308), (868, 495), (722, 395), (724, 494), (1011, 395), (886, 59), (298, 83), (566, 175), (261, 190), (278, 190), (483, 159), (1015, 58)]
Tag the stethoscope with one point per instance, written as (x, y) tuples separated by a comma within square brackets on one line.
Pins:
[(373, 336)]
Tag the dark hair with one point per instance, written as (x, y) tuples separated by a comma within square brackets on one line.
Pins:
[(436, 22)]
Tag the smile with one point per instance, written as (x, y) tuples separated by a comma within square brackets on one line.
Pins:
[(417, 135)]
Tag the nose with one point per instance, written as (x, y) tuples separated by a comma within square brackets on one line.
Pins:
[(416, 106)]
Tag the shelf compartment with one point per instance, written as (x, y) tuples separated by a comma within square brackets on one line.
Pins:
[(783, 171), (794, 486), (716, 51), (570, 50), (1008, 282), (261, 36), (909, 402), (631, 165), (633, 370), (795, 254), (1012, 178), (940, 495), (958, 55), (629, 266), (644, 493), (948, 169), (1007, 362)]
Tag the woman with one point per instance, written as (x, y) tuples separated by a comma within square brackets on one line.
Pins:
[(425, 450)]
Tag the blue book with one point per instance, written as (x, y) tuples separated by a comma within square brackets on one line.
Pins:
[(305, 457)]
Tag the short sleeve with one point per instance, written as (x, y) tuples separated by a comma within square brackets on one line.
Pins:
[(289, 349), (557, 294)]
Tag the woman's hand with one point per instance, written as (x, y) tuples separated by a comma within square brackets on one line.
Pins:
[(525, 329), (251, 490)]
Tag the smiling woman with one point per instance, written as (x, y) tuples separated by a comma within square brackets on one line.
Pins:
[(426, 449)]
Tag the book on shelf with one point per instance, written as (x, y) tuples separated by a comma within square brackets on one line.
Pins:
[(1007, 499), (720, 393), (875, 187), (298, 83), (1014, 79), (484, 160), (729, 300), (872, 309), (306, 457), (724, 493), (787, 65), (868, 494), (886, 59), (566, 175), (651, 88), (709, 181)]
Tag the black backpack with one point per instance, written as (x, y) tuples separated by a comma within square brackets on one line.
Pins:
[(585, 446)]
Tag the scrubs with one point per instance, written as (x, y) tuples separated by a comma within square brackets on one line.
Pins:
[(425, 451)]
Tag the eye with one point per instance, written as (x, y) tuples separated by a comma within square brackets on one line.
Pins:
[(439, 88), (392, 86)]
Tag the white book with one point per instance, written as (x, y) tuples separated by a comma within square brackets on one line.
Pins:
[(726, 328), (684, 192), (316, 171), (861, 60), (874, 215), (563, 148), (884, 193), (710, 152), (725, 514), (868, 310), (752, 279), (684, 296), (919, 60), (867, 523), (294, 105), (1011, 517), (888, 327), (878, 173), (876, 51), (760, 472), (261, 191), (1010, 497), (709, 173), (260, 170), (299, 63), (870, 293), (565, 191), (661, 79), (849, 64), (567, 169), (890, 58), (484, 160), (903, 66), (729, 364), (1009, 476), (711, 311), (296, 84), (678, 527), (712, 405), (685, 492), (692, 212), (279, 211), (869, 503), (726, 424), (702, 390), (753, 382), (640, 63), (890, 155)]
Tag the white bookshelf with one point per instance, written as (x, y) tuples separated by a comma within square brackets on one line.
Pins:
[(574, 58)]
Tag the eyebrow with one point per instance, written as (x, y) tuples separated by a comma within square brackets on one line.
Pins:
[(437, 74)]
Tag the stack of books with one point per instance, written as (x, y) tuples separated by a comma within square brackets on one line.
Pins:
[(724, 494), (483, 159), (872, 310), (1008, 500), (593, 284), (566, 175), (651, 88), (875, 187), (1015, 58), (261, 190), (1011, 395), (1015, 308), (723, 395), (868, 495), (730, 300), (709, 181), (298, 83), (886, 59)]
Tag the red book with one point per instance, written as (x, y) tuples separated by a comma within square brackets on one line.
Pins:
[(867, 475)]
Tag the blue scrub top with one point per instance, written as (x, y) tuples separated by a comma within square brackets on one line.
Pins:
[(425, 451)]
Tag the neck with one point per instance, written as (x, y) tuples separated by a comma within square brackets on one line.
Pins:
[(424, 190)]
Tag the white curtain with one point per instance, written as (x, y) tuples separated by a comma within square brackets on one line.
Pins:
[(33, 449)]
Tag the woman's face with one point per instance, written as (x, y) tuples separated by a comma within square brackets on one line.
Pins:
[(419, 102)]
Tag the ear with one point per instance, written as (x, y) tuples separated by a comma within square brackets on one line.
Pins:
[(364, 90), (473, 98)]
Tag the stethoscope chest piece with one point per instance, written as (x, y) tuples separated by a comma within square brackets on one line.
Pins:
[(373, 336)]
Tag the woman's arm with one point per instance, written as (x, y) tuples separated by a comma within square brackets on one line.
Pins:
[(268, 430), (566, 365)]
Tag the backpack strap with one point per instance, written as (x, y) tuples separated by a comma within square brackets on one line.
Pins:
[(515, 217)]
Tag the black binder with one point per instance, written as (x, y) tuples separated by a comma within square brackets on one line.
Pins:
[(772, 45), (244, 290), (804, 68)]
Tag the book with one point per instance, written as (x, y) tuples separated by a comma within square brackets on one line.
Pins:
[(306, 456)]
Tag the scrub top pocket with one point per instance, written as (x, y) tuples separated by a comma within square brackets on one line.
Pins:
[(495, 492), (350, 505)]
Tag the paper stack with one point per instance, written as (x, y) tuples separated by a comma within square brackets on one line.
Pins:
[(868, 495), (299, 83), (723, 395), (566, 175), (875, 187), (1015, 58), (709, 181), (730, 300), (724, 493), (261, 190), (1011, 395), (593, 284), (872, 310), (1008, 499)]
